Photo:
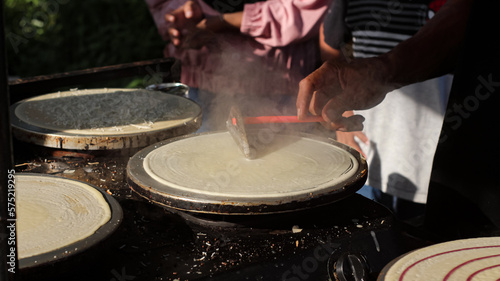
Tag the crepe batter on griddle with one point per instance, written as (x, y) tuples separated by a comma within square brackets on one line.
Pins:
[(53, 213), (106, 111), (212, 164)]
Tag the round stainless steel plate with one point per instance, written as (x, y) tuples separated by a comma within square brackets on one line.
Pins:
[(103, 119), (207, 173), (62, 223)]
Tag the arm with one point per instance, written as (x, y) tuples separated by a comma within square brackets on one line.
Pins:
[(227, 21), (327, 52), (339, 86), (433, 50)]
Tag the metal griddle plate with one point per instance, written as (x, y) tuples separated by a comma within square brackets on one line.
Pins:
[(78, 247), (98, 140), (164, 195)]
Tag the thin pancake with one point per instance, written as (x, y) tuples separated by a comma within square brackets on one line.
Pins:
[(212, 165)]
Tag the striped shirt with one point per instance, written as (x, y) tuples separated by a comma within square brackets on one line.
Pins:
[(375, 27)]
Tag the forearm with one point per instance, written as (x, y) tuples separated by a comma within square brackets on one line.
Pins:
[(432, 51), (326, 51), (223, 22), (233, 20)]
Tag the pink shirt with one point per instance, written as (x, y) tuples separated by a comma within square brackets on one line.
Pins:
[(276, 47)]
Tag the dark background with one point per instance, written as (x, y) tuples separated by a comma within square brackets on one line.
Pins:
[(54, 36)]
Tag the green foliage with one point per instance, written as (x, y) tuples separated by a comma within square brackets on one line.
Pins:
[(53, 36)]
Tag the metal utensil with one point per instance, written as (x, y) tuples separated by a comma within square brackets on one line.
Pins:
[(236, 126), (281, 119)]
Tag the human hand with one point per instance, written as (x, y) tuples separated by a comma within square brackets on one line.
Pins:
[(183, 21), (339, 86), (347, 138), (203, 33)]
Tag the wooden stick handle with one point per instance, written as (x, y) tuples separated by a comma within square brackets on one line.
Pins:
[(281, 119)]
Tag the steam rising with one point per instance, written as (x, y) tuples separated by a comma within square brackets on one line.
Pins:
[(256, 86)]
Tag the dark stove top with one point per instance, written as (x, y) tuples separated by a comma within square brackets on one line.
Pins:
[(154, 243)]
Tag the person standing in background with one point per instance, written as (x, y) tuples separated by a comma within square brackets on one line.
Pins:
[(464, 193), (255, 56), (401, 134)]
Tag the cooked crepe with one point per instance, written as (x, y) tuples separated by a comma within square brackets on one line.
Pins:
[(56, 212), (107, 111), (212, 164)]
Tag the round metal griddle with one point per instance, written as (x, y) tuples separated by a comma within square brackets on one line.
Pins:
[(82, 245), (171, 196), (118, 135), (471, 259)]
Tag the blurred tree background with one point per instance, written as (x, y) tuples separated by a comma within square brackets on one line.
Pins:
[(53, 36)]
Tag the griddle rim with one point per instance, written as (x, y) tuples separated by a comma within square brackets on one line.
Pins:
[(235, 206)]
